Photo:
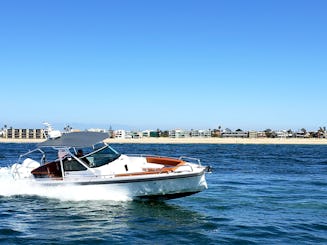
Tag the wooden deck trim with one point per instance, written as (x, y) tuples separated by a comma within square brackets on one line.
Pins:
[(164, 160), (171, 164)]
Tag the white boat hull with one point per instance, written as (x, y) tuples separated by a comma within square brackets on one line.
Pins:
[(165, 186)]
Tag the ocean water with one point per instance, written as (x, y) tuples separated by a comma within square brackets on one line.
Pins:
[(258, 194)]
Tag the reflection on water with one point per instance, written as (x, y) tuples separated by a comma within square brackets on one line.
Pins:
[(29, 217)]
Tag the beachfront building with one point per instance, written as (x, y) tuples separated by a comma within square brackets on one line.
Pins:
[(179, 133), (200, 133), (283, 134), (227, 133), (205, 133), (194, 133), (136, 134), (120, 134), (146, 133), (155, 133), (261, 134), (302, 134), (24, 133), (216, 133), (151, 133), (124, 134), (257, 134), (253, 134)]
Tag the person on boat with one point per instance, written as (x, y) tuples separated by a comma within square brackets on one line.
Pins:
[(80, 154)]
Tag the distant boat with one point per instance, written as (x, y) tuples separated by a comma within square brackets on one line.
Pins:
[(137, 176)]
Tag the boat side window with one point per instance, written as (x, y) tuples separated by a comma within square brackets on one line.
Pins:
[(73, 165), (104, 156)]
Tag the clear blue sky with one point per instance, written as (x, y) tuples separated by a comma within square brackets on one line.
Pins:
[(164, 64)]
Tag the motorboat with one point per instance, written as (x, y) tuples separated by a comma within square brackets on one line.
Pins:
[(84, 158)]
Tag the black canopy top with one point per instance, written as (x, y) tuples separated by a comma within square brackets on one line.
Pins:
[(75, 139)]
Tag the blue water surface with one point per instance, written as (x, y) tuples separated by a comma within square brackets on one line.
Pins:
[(258, 194)]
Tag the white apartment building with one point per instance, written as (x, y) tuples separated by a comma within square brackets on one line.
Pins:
[(120, 134)]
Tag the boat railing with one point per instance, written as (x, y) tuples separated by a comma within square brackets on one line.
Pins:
[(15, 169), (179, 170), (30, 152), (191, 160)]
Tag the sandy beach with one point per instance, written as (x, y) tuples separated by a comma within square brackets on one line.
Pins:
[(275, 141)]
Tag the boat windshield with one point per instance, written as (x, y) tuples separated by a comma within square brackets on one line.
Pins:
[(102, 156)]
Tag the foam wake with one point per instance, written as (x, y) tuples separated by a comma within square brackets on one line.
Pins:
[(10, 185)]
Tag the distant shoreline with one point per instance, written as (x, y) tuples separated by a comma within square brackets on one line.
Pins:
[(267, 141)]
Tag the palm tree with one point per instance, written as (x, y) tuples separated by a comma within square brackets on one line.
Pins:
[(68, 128), (322, 132)]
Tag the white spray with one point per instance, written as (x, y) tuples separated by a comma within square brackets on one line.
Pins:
[(10, 185)]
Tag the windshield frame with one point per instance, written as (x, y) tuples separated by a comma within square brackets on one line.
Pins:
[(93, 164)]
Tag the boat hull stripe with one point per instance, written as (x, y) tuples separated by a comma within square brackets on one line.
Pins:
[(115, 181)]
